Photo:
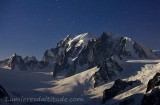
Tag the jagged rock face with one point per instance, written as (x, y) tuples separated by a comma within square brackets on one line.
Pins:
[(28, 63), (107, 70), (139, 50), (53, 54), (118, 87), (84, 52), (65, 55), (3, 93), (153, 98), (27, 59), (155, 81), (16, 63), (49, 55), (33, 64), (120, 49)]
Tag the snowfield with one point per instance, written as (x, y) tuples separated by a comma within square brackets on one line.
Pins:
[(80, 85)]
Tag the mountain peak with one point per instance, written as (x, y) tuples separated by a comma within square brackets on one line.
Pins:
[(86, 51), (14, 55), (16, 63), (27, 59)]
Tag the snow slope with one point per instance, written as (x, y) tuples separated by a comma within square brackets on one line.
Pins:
[(22, 84), (82, 39), (144, 74), (34, 84)]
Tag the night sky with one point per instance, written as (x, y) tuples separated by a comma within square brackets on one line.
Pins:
[(29, 27)]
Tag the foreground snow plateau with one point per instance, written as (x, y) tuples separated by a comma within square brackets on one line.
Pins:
[(80, 85)]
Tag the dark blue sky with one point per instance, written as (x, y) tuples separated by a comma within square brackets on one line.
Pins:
[(29, 27)]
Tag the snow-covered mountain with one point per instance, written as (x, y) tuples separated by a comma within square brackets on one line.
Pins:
[(109, 69), (74, 55), (16, 63)]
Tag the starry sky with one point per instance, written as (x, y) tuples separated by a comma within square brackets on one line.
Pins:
[(29, 27)]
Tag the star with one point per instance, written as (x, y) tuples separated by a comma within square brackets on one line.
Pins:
[(125, 12), (25, 19), (151, 11), (16, 35), (137, 29), (109, 23), (73, 22), (20, 43), (32, 40), (49, 19)]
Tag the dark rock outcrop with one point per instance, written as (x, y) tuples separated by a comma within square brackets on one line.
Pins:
[(129, 101), (3, 93), (155, 81), (153, 98), (107, 70), (118, 87)]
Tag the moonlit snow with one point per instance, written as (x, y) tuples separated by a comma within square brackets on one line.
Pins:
[(34, 84)]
